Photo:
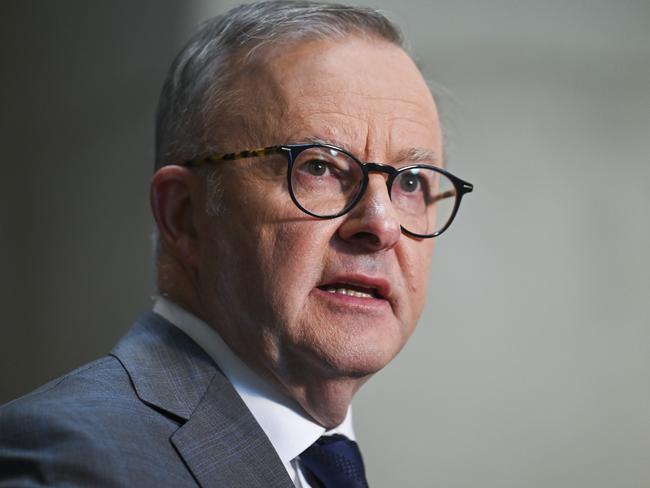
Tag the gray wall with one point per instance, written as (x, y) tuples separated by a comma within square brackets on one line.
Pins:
[(531, 364), (79, 83)]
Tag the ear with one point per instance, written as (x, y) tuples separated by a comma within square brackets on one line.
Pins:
[(175, 197)]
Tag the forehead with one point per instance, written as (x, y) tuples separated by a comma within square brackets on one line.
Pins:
[(366, 95)]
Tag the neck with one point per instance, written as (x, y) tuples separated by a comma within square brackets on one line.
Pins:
[(176, 282), (327, 402)]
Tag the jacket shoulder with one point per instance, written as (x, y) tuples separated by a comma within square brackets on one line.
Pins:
[(94, 387), (86, 428)]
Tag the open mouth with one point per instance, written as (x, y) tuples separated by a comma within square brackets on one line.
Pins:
[(351, 290)]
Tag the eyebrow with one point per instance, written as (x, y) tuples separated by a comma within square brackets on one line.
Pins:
[(418, 155), (411, 155), (330, 142)]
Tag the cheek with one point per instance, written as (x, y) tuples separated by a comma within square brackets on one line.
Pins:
[(415, 263), (293, 257)]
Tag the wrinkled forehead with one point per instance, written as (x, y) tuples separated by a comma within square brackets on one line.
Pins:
[(366, 94)]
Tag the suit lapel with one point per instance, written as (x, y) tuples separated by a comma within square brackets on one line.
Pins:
[(223, 445), (219, 439), (169, 371)]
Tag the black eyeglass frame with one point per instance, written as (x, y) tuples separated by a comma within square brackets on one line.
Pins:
[(292, 151)]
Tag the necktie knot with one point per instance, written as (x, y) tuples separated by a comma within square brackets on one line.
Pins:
[(336, 462)]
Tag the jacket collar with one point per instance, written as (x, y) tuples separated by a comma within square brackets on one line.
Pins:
[(168, 370), (219, 439)]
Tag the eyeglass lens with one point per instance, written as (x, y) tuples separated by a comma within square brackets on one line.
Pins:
[(326, 182)]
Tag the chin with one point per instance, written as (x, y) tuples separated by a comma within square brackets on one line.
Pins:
[(342, 342), (356, 357)]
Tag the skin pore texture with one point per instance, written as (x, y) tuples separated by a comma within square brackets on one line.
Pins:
[(262, 272)]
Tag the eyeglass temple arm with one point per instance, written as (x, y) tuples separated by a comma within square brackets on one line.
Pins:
[(249, 153)]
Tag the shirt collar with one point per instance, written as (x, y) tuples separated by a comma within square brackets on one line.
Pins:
[(284, 422)]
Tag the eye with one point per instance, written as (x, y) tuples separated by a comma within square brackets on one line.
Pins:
[(409, 183), (316, 167)]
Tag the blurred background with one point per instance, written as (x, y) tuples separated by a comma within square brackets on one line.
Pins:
[(531, 364)]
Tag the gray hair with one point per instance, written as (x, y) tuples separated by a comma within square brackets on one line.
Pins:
[(199, 93)]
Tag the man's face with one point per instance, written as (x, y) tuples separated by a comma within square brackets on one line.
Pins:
[(273, 280)]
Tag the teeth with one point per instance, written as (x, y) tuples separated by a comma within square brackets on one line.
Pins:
[(349, 292)]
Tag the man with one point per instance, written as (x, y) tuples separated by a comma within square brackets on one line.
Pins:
[(288, 275)]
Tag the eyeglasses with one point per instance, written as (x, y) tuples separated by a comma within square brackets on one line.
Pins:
[(326, 182)]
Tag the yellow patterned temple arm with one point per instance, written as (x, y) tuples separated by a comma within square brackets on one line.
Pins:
[(249, 153)]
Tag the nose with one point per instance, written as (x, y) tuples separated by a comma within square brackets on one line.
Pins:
[(373, 223)]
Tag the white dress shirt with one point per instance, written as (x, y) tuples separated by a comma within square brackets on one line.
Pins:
[(285, 423)]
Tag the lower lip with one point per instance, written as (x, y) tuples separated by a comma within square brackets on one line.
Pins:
[(342, 300)]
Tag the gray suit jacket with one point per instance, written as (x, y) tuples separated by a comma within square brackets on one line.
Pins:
[(155, 412)]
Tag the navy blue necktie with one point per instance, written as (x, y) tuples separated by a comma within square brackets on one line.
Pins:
[(336, 462)]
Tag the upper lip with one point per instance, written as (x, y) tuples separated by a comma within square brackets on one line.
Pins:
[(380, 285)]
